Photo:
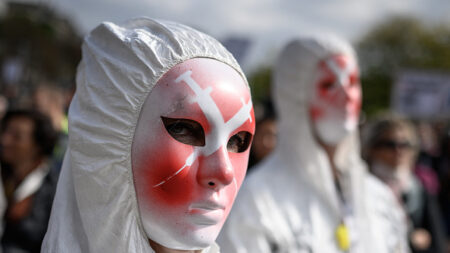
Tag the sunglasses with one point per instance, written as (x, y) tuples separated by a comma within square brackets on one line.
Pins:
[(391, 144)]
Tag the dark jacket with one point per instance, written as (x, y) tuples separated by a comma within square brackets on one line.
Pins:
[(26, 235)]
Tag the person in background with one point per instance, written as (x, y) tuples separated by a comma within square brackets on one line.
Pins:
[(27, 141), (313, 193), (391, 146), (427, 156), (50, 100)]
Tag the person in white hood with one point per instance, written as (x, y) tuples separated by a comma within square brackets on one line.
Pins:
[(160, 127), (313, 193)]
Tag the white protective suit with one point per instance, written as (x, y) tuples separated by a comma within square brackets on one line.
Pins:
[(290, 202), (95, 208)]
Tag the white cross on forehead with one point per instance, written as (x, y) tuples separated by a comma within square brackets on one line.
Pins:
[(220, 130), (342, 74)]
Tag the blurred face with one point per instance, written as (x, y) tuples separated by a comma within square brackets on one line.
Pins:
[(336, 102), (17, 141), (190, 152), (394, 149)]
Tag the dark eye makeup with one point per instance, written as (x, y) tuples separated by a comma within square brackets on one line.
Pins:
[(326, 85), (185, 131), (354, 79), (239, 142), (191, 132)]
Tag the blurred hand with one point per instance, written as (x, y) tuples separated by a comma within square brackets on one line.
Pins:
[(420, 239)]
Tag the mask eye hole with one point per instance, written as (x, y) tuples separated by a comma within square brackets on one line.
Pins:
[(239, 142), (354, 79), (327, 85), (185, 131)]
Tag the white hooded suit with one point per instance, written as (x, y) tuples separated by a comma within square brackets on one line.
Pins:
[(95, 208), (290, 203)]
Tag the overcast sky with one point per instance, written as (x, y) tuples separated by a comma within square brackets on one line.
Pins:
[(269, 23)]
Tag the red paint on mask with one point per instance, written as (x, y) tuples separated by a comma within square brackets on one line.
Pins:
[(164, 155), (335, 94)]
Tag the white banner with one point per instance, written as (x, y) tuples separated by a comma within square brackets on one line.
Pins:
[(422, 95)]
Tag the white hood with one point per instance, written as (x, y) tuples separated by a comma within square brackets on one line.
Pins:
[(295, 74), (95, 208)]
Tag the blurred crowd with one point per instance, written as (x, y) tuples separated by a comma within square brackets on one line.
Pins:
[(38, 55), (32, 144), (411, 156)]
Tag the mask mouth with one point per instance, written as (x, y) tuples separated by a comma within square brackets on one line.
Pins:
[(333, 131), (207, 219), (207, 205), (207, 213)]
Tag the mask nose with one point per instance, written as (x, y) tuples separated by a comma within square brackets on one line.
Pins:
[(215, 170), (347, 93), (346, 90), (340, 96)]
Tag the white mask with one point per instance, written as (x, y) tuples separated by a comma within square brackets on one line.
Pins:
[(190, 152), (336, 102)]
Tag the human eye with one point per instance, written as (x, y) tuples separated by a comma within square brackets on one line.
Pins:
[(185, 131), (239, 142)]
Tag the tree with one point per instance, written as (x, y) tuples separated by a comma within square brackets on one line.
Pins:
[(396, 44), (45, 45), (260, 83)]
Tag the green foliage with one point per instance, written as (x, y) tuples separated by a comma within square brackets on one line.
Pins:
[(396, 44), (46, 43), (260, 83), (376, 92)]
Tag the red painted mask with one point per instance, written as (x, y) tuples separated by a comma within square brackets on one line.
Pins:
[(336, 102), (190, 152)]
